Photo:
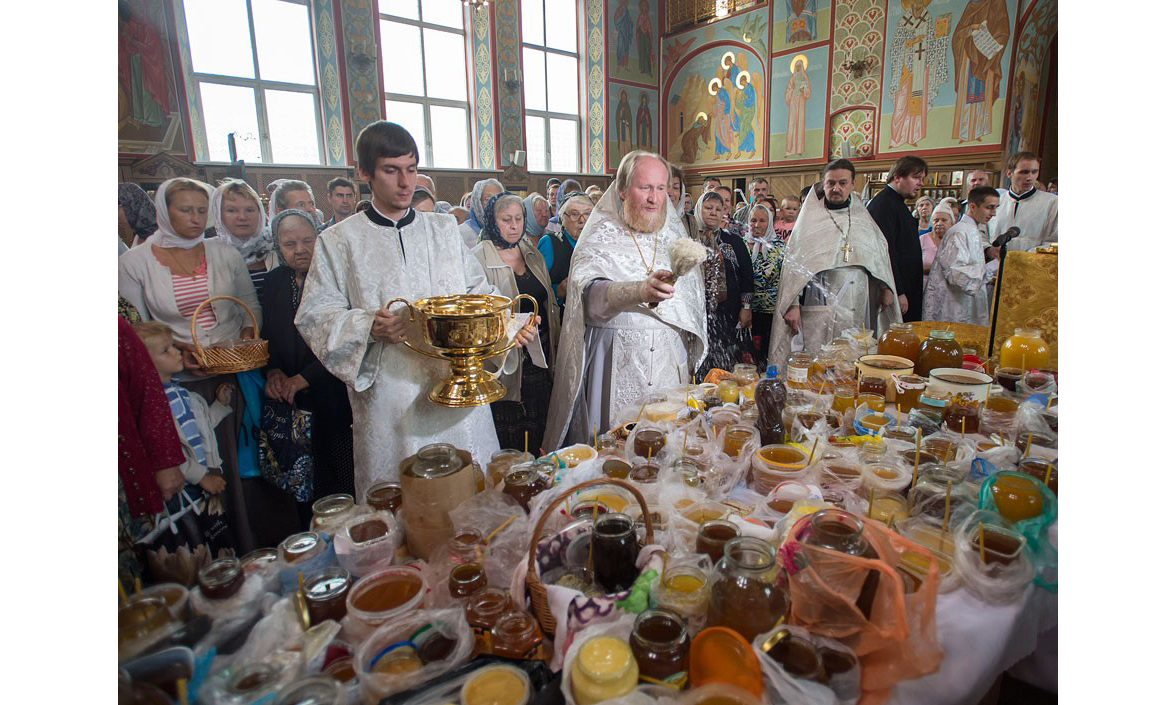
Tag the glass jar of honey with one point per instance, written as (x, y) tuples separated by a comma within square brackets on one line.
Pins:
[(501, 461), (684, 588), (1017, 496), (963, 418), (872, 385), (843, 397), (604, 669), (736, 438), (645, 473), (798, 370), (744, 596), (326, 594), (299, 548), (386, 496), (712, 536), (729, 391), (935, 400), (649, 441), (516, 636), (614, 551), (823, 371), (331, 511), (940, 349), (907, 390), (221, 579), (482, 611), (466, 579), (900, 340), (1025, 349), (522, 483), (465, 545), (661, 645), (744, 374)]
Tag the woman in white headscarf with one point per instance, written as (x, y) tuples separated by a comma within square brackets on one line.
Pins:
[(942, 218), (766, 248), (537, 214), (483, 191), (235, 216), (923, 208)]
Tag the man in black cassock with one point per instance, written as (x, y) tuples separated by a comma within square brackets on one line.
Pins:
[(901, 229)]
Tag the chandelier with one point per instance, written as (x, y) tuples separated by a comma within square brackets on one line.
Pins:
[(476, 4)]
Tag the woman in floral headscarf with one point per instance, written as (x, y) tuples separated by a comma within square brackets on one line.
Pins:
[(136, 218), (514, 266)]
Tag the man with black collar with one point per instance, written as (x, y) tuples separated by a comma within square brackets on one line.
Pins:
[(391, 251), (1035, 212), (894, 219)]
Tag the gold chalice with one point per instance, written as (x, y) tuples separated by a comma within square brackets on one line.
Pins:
[(465, 329)]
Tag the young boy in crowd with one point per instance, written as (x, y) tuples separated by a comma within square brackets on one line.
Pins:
[(195, 419)]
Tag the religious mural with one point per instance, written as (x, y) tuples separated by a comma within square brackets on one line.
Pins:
[(797, 22), (633, 33), (148, 109), (632, 121), (798, 105), (715, 109), (947, 65), (1031, 72)]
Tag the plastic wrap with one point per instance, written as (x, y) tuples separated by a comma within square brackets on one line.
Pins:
[(239, 605), (993, 582), (620, 627), (450, 623), (898, 640), (783, 687), (1035, 530), (363, 557), (503, 522)]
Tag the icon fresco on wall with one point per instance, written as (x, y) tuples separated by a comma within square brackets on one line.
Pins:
[(798, 105), (716, 109), (632, 41), (946, 74), (632, 121), (148, 110), (797, 22)]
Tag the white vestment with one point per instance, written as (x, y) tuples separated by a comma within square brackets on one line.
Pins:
[(955, 286), (469, 234), (602, 366), (1036, 216), (358, 267), (839, 259)]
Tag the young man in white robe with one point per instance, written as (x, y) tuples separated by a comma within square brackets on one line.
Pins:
[(836, 271), (627, 331), (359, 266), (1034, 211), (955, 285)]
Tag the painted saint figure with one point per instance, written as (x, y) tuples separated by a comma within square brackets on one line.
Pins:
[(142, 74), (796, 95), (644, 124), (978, 44), (746, 113), (724, 117), (623, 26), (918, 52), (644, 39), (624, 124), (802, 20)]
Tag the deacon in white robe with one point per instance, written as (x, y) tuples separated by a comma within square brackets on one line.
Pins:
[(614, 348), (359, 266), (956, 283), (1035, 212), (836, 271)]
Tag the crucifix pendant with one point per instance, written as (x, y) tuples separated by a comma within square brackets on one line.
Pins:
[(845, 250)]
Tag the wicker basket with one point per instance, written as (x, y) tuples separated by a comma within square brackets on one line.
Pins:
[(539, 604), (968, 335), (236, 356)]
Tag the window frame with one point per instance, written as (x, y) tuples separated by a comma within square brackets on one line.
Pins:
[(547, 115), (259, 87), (426, 161)]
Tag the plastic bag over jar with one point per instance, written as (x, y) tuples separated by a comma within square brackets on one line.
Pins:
[(367, 542), (411, 649), (802, 667), (1006, 568)]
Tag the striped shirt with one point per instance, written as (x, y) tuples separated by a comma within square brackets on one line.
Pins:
[(190, 292)]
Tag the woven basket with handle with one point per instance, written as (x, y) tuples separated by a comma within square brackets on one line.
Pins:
[(539, 603), (234, 356)]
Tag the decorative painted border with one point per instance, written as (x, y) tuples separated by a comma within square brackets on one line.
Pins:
[(508, 50), (361, 60), (481, 50), (596, 94), (330, 85)]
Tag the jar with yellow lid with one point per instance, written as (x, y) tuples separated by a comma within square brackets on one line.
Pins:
[(604, 669)]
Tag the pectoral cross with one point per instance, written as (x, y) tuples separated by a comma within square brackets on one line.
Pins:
[(845, 250)]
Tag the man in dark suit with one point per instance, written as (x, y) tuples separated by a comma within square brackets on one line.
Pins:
[(901, 229)]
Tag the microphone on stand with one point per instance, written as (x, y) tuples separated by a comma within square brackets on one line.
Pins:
[(1007, 235)]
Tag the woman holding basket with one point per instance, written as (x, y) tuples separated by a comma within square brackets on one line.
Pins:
[(167, 279)]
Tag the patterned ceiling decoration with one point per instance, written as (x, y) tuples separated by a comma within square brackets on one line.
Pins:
[(483, 89), (328, 61), (360, 58), (595, 86), (510, 104), (858, 31)]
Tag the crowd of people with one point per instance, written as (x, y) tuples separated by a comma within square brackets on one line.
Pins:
[(342, 400)]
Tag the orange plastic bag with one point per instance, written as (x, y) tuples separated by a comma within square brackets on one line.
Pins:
[(898, 641)]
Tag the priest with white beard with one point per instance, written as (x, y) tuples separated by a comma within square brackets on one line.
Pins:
[(836, 270), (1035, 212), (392, 251), (627, 331)]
